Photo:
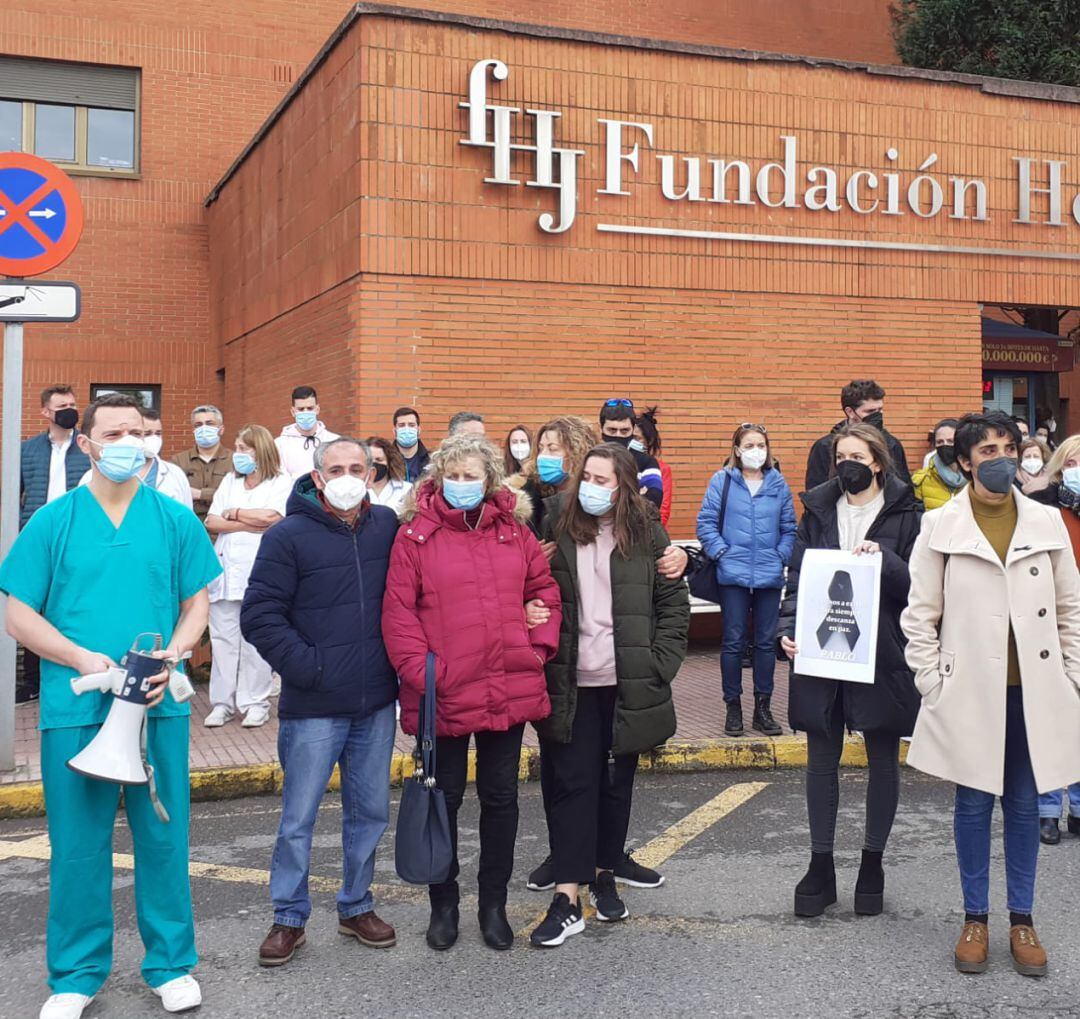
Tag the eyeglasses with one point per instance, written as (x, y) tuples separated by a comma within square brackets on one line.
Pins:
[(757, 428), (620, 403)]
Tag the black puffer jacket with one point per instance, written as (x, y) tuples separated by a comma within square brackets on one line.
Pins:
[(892, 702), (652, 619)]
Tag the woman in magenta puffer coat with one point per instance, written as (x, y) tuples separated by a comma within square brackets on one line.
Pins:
[(463, 566)]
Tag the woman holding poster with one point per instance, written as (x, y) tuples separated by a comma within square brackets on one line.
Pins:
[(866, 511)]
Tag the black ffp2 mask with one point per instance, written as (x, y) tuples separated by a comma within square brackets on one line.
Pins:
[(854, 476)]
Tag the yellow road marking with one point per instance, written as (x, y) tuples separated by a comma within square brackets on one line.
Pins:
[(685, 830)]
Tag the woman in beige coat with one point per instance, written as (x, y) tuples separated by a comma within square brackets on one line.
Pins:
[(993, 629)]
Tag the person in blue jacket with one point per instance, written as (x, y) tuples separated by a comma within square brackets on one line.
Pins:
[(313, 610), (747, 527)]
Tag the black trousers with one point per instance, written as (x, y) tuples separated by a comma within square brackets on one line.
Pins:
[(823, 784), (29, 687), (497, 756), (590, 798)]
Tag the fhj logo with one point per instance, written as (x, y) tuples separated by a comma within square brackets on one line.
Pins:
[(926, 195)]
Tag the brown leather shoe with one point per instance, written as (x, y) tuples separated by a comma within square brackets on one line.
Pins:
[(280, 945), (971, 949), (1029, 957), (369, 930)]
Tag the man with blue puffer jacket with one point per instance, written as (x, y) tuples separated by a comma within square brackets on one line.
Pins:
[(747, 527)]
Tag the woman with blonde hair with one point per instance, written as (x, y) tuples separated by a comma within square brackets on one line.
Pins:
[(561, 446), (250, 499), (1032, 475), (464, 564)]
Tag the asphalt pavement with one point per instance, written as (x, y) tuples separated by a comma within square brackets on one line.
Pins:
[(718, 939)]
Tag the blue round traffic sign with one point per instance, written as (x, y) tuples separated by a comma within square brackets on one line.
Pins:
[(41, 217)]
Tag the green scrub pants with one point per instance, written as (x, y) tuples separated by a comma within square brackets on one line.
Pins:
[(81, 815)]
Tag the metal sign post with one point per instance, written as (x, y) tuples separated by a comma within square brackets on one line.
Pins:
[(9, 522), (41, 221)]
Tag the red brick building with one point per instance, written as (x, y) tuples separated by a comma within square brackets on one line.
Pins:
[(357, 246)]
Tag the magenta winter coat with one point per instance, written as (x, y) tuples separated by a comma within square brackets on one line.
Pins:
[(461, 593)]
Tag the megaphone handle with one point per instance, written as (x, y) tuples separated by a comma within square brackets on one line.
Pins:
[(151, 782)]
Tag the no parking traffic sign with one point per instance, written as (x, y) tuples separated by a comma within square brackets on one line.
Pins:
[(41, 217)]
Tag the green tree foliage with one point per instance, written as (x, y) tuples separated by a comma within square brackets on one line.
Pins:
[(1033, 40)]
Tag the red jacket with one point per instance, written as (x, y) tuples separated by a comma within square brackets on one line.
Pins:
[(665, 503), (461, 593)]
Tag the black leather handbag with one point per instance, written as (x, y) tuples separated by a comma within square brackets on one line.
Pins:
[(422, 849), (701, 570)]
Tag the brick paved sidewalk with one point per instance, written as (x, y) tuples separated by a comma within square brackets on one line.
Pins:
[(699, 707)]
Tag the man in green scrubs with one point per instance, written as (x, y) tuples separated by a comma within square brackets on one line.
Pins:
[(90, 572)]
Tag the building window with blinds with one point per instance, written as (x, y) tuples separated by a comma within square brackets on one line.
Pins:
[(80, 116)]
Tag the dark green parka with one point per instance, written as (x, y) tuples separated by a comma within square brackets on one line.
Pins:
[(651, 617)]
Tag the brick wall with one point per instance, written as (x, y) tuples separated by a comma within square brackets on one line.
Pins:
[(211, 73)]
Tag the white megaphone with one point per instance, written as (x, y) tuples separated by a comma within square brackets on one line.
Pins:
[(118, 752)]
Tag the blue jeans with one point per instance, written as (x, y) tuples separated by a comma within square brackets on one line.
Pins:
[(1020, 809), (735, 606), (1050, 803), (308, 749)]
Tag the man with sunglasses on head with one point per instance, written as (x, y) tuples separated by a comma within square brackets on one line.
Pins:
[(617, 425), (863, 402)]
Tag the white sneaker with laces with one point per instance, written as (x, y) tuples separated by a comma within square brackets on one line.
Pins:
[(65, 1006), (180, 994), (217, 717), (256, 716)]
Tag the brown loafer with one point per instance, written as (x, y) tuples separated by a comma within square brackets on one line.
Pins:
[(280, 945), (368, 929), (971, 949), (1029, 957)]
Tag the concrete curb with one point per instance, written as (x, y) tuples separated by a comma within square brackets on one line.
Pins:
[(26, 799)]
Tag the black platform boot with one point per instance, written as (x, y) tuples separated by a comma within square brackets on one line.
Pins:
[(870, 886), (733, 725), (817, 889), (763, 719)]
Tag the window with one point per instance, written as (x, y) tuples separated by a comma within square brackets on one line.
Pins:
[(81, 116), (148, 395)]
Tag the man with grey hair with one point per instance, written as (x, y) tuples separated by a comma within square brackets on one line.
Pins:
[(208, 462), (313, 610), (466, 422)]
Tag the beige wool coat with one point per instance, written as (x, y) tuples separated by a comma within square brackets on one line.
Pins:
[(957, 624)]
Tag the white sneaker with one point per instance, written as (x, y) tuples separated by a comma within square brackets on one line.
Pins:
[(180, 994), (217, 717), (256, 716), (65, 1006)]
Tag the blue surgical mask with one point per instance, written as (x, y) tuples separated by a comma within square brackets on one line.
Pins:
[(1070, 478), (637, 446), (407, 437), (121, 460), (207, 436), (243, 463), (306, 420), (463, 495), (550, 469), (595, 499)]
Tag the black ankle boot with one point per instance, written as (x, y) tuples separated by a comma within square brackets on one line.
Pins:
[(443, 929), (494, 926), (870, 886), (763, 719), (733, 725), (817, 889)]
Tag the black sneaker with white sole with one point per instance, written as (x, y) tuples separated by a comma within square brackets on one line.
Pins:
[(629, 872), (605, 897), (563, 920), (543, 878)]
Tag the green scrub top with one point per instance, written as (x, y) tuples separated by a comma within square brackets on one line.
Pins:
[(101, 586)]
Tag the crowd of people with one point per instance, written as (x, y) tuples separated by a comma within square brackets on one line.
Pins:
[(533, 581)]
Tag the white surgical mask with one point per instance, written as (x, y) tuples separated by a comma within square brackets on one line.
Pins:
[(345, 493), (1032, 464), (152, 444), (519, 450), (754, 458)]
